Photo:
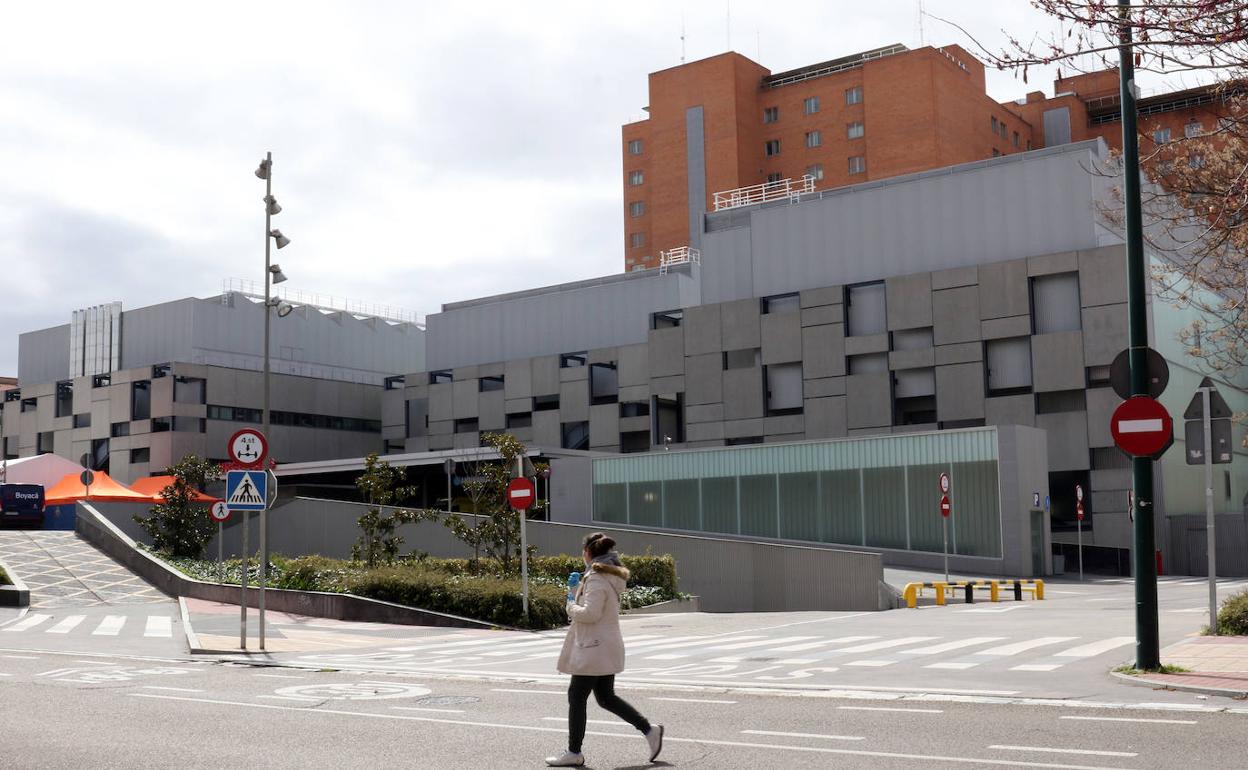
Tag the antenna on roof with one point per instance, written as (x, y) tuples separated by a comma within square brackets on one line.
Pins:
[(728, 24), (682, 37), (922, 37)]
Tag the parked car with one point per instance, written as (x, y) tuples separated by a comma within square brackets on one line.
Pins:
[(21, 505)]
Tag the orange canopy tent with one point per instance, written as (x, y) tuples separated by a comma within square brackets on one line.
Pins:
[(154, 486), (70, 490)]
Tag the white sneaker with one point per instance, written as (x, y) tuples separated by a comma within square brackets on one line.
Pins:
[(655, 739), (569, 759)]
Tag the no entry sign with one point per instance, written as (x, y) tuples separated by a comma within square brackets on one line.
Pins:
[(520, 493), (1142, 427), (944, 506)]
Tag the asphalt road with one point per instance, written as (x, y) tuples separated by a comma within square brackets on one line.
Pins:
[(65, 711)]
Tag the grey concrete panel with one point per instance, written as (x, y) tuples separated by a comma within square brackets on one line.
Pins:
[(1004, 290), (470, 440), (1049, 264), (667, 352), (1057, 362), (702, 330), (634, 424), (960, 392), (825, 417), (827, 295), (1104, 334), (393, 409), (491, 414), (704, 383), (471, 372), (911, 359), (1103, 276), (604, 425), (1001, 328), (705, 431), (695, 172), (955, 315), (782, 438), (960, 353), (872, 343), (635, 392), (441, 442), (824, 314), (517, 405), (952, 279), (823, 351), (743, 393), (741, 326), (783, 425), (441, 427), (1068, 440), (782, 338), (1101, 405), (496, 369), (909, 301), (634, 365), (701, 413), (518, 378), (871, 396), (1010, 410), (574, 401), (665, 386), (464, 396), (821, 388), (604, 356), (441, 401), (573, 374), (545, 373), (547, 430), (743, 428), (1116, 478)]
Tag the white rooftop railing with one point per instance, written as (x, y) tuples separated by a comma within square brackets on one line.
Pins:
[(681, 255), (325, 302), (761, 193)]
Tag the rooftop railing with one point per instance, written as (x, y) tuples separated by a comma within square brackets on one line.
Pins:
[(681, 255), (762, 193)]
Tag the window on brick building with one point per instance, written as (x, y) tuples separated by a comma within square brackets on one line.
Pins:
[(858, 164), (635, 178), (1193, 128), (1196, 161), (810, 105), (996, 153), (1005, 133), (1016, 138), (772, 147), (853, 95), (634, 147), (994, 124), (773, 177), (771, 114), (813, 139), (636, 208), (855, 130), (815, 171), (1161, 135), (637, 240)]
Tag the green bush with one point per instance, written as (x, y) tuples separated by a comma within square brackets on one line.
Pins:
[(653, 571), (1233, 616), (310, 573), (494, 600)]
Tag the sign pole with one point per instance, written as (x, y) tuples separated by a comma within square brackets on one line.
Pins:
[(945, 521), (524, 548), (1210, 541), (1079, 524), (220, 552), (242, 602)]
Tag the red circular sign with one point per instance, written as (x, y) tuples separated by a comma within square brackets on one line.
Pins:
[(219, 512), (520, 494), (1142, 427), (1079, 511), (248, 447), (944, 506)]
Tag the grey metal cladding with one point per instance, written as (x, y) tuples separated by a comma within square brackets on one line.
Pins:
[(695, 164), (43, 355), (1057, 126)]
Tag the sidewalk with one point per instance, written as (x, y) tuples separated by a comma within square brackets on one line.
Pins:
[(1217, 665)]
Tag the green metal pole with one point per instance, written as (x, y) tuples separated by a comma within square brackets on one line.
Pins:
[(1147, 652)]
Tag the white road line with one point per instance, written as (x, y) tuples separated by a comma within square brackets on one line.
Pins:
[(632, 645), (1097, 648), (30, 621), (886, 644), (763, 643), (1030, 644), (667, 657), (170, 689), (20, 657), (290, 697), (936, 649), (951, 666), (871, 663), (111, 625), (769, 747), (824, 643), (890, 708), (711, 640), (1135, 719), (417, 708), (6, 675), (698, 700), (805, 735), (280, 676), (1090, 752), (1037, 667), (1111, 599), (612, 723), (530, 692), (159, 626), (457, 645), (66, 625)]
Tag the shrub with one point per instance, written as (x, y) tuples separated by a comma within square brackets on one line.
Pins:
[(654, 571), (1233, 616), (493, 600), (310, 573)]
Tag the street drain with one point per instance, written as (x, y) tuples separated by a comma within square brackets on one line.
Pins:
[(448, 700)]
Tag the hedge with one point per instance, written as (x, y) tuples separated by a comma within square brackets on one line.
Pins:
[(494, 600), (656, 571), (1233, 616)]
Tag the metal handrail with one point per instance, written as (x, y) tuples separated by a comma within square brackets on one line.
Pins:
[(254, 289), (681, 255), (761, 193)]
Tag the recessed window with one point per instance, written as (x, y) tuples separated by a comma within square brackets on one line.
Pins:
[(190, 390), (185, 424), (141, 400), (773, 178), (669, 419), (771, 147), (855, 130), (30, 404), (604, 384), (394, 382), (1161, 135), (439, 377), (1193, 128), (810, 105), (636, 240), (44, 442), (635, 178), (667, 319), (853, 95), (1016, 138), (519, 420), (468, 425), (1009, 366), (813, 139), (576, 435), (1196, 161), (119, 429), (634, 147), (743, 441), (996, 153), (545, 403), (1060, 401), (784, 389), (781, 303), (1055, 303), (746, 358), (994, 124), (858, 164), (914, 397), (573, 360), (64, 399), (636, 208), (815, 171), (140, 455), (490, 384), (101, 381), (82, 420), (635, 409), (162, 424), (865, 309), (771, 114), (1005, 132)]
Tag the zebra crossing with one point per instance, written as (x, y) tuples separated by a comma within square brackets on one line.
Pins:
[(153, 626)]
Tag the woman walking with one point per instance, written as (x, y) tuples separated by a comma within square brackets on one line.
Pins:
[(593, 652)]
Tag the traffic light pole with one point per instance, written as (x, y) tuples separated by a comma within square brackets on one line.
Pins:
[(1147, 642)]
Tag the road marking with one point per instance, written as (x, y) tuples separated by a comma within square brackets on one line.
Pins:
[(1135, 719), (798, 661), (417, 708), (936, 649), (887, 643), (1091, 752), (20, 657), (1005, 608), (170, 689), (698, 700), (667, 657), (281, 676), (529, 692), (67, 625), (805, 735), (1097, 648), (1030, 644), (929, 758), (1110, 599), (763, 643), (825, 642), (30, 621), (612, 723), (890, 708), (111, 625), (6, 675), (290, 697), (1037, 667), (711, 640), (159, 626), (871, 663), (951, 666)]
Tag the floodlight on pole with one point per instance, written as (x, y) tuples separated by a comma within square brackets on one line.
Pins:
[(278, 275), (273, 207), (284, 309), (262, 171), (282, 241)]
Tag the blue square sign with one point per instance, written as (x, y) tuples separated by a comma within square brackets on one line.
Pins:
[(246, 490)]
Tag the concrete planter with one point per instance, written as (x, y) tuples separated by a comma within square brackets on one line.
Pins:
[(15, 594), (692, 604)]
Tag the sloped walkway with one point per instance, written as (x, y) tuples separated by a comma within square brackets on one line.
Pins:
[(62, 570), (1217, 665)]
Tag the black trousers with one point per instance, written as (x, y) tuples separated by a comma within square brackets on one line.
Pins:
[(603, 688)]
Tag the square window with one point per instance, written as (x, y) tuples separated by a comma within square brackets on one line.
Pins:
[(1161, 135), (635, 178), (439, 377), (636, 240), (141, 455), (1009, 366), (634, 147), (858, 164), (781, 303), (667, 319), (773, 178), (490, 384), (572, 360), (865, 310), (466, 426), (576, 435), (855, 130), (519, 420), (813, 139), (771, 114), (636, 208), (771, 147), (747, 358), (545, 403), (810, 105), (815, 171), (1055, 303), (853, 95), (1193, 128), (635, 409)]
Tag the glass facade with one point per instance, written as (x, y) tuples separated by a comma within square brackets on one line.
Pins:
[(881, 492)]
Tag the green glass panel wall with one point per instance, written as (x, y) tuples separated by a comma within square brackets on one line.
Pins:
[(719, 505), (975, 518), (884, 506), (758, 506), (681, 505), (645, 503), (611, 502), (800, 515), (925, 519), (842, 507)]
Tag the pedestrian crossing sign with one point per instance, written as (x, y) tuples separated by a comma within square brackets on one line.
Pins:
[(246, 490)]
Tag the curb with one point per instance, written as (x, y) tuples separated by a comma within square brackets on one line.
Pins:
[(1140, 680), (14, 594)]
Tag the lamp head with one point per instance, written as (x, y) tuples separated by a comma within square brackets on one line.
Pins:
[(262, 171), (271, 205), (276, 271), (282, 241), (284, 309)]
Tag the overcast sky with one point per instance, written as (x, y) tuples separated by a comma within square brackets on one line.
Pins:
[(424, 152)]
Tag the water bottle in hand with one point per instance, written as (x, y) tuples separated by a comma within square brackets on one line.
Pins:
[(574, 580)]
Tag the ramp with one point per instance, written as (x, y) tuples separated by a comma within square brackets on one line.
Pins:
[(63, 570)]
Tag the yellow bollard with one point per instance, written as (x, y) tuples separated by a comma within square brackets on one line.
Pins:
[(940, 593), (910, 594), (1039, 589), (994, 590)]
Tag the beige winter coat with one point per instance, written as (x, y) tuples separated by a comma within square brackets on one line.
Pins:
[(594, 645)]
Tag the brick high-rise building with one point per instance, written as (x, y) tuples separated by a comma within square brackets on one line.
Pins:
[(728, 124)]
